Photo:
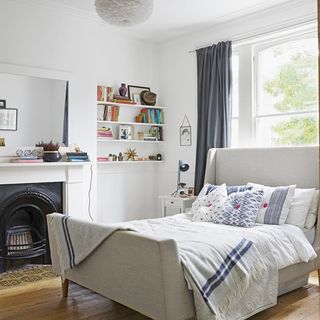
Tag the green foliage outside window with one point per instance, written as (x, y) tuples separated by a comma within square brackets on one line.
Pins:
[(295, 89)]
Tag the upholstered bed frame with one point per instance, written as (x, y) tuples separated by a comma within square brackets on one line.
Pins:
[(145, 274)]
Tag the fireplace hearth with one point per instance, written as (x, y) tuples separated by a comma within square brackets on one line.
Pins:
[(23, 227)]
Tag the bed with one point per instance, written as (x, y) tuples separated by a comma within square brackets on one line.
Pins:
[(145, 273)]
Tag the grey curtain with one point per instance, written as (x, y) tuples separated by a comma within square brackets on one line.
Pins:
[(65, 134), (214, 84)]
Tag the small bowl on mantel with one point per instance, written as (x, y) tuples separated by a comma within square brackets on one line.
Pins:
[(51, 156)]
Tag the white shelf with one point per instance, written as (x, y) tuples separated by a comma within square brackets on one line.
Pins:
[(128, 141), (138, 106), (128, 162), (132, 123)]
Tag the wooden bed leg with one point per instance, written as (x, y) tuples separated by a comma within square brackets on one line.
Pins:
[(65, 287), (319, 277)]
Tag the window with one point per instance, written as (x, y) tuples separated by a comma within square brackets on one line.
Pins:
[(275, 91), (286, 93)]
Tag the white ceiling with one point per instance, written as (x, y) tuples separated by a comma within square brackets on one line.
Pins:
[(173, 18)]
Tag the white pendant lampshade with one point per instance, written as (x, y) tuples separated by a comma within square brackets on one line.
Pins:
[(124, 13)]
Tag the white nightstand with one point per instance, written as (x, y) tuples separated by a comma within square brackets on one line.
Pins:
[(178, 203)]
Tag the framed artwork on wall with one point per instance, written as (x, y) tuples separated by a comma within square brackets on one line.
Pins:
[(8, 119), (185, 132)]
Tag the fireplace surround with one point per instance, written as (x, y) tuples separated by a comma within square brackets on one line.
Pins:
[(23, 227), (39, 188)]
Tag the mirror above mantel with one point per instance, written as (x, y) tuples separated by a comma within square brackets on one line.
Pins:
[(41, 107)]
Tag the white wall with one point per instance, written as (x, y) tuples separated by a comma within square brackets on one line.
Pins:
[(52, 40), (177, 76), (40, 115)]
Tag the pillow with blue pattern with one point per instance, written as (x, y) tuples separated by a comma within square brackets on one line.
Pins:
[(240, 209), (230, 189), (276, 203)]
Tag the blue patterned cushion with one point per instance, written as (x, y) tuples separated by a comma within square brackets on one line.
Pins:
[(230, 189), (240, 209)]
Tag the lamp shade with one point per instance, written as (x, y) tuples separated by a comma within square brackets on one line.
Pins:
[(124, 13), (183, 166)]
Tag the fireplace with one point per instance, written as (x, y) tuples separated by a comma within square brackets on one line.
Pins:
[(23, 227)]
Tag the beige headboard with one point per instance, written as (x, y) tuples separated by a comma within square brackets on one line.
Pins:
[(270, 166)]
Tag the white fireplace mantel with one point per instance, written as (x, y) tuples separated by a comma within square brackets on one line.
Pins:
[(71, 174)]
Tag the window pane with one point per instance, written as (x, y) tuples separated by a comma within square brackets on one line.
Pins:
[(288, 130), (234, 132), (287, 77), (235, 85)]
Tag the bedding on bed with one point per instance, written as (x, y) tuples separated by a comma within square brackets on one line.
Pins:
[(232, 271)]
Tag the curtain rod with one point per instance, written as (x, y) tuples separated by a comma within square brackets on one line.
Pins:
[(265, 33)]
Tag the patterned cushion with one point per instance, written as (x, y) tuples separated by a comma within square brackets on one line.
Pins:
[(230, 189), (240, 209), (205, 207), (276, 203)]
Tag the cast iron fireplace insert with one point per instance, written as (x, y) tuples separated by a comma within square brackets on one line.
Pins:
[(23, 226)]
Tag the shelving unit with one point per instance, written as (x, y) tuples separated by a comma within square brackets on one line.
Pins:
[(128, 162), (132, 123), (126, 116), (129, 141), (126, 105)]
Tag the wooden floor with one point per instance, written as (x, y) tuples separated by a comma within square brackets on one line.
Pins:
[(42, 301)]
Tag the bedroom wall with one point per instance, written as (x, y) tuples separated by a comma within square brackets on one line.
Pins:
[(51, 39), (177, 76)]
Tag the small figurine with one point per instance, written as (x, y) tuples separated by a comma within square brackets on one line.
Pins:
[(159, 157), (114, 157), (120, 156), (131, 154)]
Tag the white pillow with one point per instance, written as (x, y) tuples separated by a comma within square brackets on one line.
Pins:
[(204, 208), (313, 211), (276, 203), (300, 207)]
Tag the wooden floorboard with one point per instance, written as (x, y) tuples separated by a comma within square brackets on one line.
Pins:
[(43, 301)]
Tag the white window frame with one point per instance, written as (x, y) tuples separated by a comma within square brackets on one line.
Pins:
[(248, 90)]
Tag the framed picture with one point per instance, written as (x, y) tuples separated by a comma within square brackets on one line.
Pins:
[(125, 132), (3, 104), (135, 90), (8, 119), (185, 132), (136, 98), (185, 136)]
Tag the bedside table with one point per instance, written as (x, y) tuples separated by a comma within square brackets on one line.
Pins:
[(175, 202)]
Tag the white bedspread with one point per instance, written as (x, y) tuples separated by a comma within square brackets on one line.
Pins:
[(231, 270)]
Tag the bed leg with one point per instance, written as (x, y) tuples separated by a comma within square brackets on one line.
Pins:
[(65, 287), (319, 277)]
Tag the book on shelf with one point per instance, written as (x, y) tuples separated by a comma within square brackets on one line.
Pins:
[(111, 113), (151, 115), (77, 156)]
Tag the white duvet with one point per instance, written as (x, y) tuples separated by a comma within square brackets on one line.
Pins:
[(227, 284), (232, 270)]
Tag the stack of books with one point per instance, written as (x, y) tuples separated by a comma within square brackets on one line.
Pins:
[(151, 116), (77, 156), (27, 159), (105, 133)]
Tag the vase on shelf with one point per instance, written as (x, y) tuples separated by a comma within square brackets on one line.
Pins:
[(51, 156), (123, 90)]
